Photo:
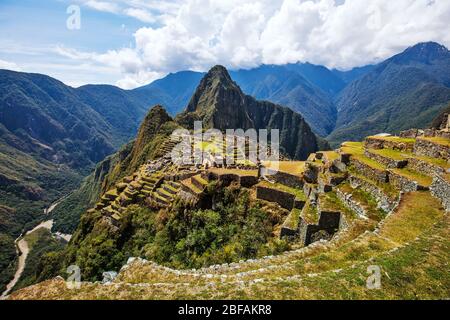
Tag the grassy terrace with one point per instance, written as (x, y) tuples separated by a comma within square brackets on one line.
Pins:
[(188, 183), (393, 139), (331, 155), (356, 150), (296, 168), (417, 270), (293, 219), (310, 213), (366, 200), (401, 155), (330, 202), (438, 140), (414, 175), (392, 154), (238, 172), (298, 193), (387, 188)]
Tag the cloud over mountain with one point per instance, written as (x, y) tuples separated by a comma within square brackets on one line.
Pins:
[(195, 34)]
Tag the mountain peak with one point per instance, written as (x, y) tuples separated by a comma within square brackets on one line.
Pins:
[(215, 86), (424, 52), (219, 74)]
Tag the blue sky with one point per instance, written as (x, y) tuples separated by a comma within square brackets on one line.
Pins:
[(133, 42), (31, 30)]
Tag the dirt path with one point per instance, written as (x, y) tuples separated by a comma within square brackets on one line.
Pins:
[(23, 250)]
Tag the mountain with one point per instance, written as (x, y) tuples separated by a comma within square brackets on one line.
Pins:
[(220, 103), (156, 126), (174, 90), (283, 85), (352, 74), (320, 76), (407, 90), (51, 136)]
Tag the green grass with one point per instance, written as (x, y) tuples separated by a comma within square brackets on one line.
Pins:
[(356, 150), (392, 154), (298, 193), (366, 200), (310, 213), (439, 140), (394, 139), (415, 176), (387, 188), (293, 219)]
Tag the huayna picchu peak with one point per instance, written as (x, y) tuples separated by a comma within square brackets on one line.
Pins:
[(219, 103)]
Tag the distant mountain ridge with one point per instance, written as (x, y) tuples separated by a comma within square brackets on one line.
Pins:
[(407, 90)]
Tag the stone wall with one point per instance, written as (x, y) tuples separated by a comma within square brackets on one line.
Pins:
[(384, 202), (248, 181), (403, 183), (329, 222), (284, 199), (284, 178), (311, 191), (379, 143), (378, 175), (427, 148), (440, 188), (424, 167), (411, 133), (299, 204), (353, 205), (388, 162), (311, 173)]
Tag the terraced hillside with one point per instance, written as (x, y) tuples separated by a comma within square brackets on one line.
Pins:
[(382, 203)]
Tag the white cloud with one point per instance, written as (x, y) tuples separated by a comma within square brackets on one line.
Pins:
[(196, 34), (140, 14), (9, 65), (105, 6)]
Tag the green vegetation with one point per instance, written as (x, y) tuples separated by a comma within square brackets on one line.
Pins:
[(439, 140), (40, 242), (7, 259), (310, 213), (393, 139), (330, 202), (293, 219), (366, 200), (422, 179), (183, 237), (356, 150)]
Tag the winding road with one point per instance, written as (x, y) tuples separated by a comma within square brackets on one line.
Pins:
[(23, 250)]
